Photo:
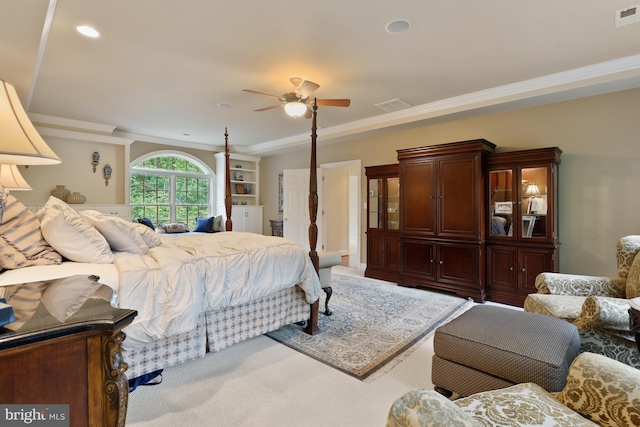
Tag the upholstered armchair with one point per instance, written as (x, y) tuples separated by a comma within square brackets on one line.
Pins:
[(599, 391), (598, 306)]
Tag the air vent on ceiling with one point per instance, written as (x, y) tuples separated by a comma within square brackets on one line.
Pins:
[(628, 16), (393, 105)]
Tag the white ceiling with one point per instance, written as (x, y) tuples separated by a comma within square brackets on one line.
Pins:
[(161, 67)]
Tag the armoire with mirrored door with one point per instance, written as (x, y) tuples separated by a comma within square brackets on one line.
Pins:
[(522, 212), (383, 222)]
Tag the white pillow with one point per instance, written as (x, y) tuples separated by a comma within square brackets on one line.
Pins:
[(149, 235), (120, 233), (53, 203), (72, 236)]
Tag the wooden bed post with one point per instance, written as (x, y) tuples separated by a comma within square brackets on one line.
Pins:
[(312, 324), (227, 185)]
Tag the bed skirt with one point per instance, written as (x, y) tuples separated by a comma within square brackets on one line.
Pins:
[(220, 329)]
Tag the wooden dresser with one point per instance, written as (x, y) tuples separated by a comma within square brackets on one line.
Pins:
[(70, 356)]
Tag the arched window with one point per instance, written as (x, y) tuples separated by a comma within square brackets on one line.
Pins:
[(169, 187)]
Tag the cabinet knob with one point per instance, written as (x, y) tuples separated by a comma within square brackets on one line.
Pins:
[(523, 270), (510, 268), (431, 261), (441, 262)]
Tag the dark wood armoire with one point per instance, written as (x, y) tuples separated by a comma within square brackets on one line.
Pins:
[(442, 225)]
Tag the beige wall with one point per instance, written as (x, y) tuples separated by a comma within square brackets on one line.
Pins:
[(76, 172), (600, 167)]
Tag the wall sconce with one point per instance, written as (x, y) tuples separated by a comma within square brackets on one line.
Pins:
[(95, 159), (107, 173)]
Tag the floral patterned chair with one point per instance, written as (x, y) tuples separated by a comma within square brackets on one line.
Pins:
[(598, 306), (599, 391)]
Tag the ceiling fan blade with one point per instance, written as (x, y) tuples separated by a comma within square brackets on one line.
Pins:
[(308, 113), (334, 102), (307, 88), (261, 93), (271, 107)]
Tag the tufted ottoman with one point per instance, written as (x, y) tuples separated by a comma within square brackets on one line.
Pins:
[(489, 347)]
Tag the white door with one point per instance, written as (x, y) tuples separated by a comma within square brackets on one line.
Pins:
[(295, 209)]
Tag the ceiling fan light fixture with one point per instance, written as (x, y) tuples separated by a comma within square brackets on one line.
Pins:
[(295, 109)]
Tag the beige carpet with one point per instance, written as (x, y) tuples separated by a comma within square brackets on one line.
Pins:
[(261, 382)]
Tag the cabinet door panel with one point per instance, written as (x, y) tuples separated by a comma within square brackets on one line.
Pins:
[(458, 198), (375, 251), (418, 191), (503, 272), (418, 258), (532, 263), (459, 264), (393, 253)]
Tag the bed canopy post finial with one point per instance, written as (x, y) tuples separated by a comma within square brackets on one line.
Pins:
[(312, 324), (227, 185)]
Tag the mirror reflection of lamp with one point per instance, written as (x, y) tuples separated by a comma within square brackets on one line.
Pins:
[(531, 192), (107, 173)]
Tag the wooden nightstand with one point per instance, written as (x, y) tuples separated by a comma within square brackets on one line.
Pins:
[(70, 355)]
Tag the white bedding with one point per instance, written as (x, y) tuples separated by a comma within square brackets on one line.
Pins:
[(189, 274), (192, 273)]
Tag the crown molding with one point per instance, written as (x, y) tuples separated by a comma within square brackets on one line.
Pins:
[(576, 83)]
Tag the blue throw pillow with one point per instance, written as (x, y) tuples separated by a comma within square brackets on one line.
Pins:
[(204, 225), (147, 222)]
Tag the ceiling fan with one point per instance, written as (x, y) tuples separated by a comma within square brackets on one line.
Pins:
[(296, 102)]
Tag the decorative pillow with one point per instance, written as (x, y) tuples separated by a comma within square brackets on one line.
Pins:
[(52, 203), (175, 227), (427, 407), (633, 279), (21, 241), (602, 390), (204, 225), (218, 224), (71, 235), (120, 233), (150, 237), (147, 222)]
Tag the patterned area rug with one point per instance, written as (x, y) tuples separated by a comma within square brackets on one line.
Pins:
[(374, 325)]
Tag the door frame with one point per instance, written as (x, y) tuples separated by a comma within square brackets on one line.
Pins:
[(356, 216)]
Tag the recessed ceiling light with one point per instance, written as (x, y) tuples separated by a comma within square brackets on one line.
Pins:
[(398, 26), (224, 105), (88, 31)]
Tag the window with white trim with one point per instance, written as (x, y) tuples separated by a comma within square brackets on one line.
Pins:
[(171, 188)]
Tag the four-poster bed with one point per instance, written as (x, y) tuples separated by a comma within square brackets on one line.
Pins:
[(312, 322), (194, 292)]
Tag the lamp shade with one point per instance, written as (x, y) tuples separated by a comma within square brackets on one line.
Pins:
[(20, 143), (11, 179), (532, 190), (295, 109)]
